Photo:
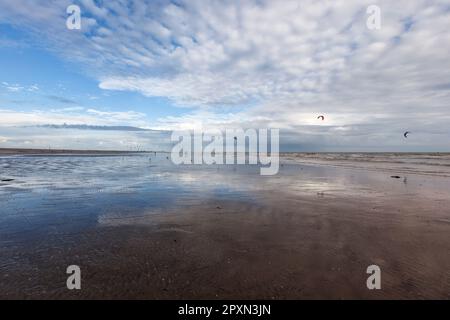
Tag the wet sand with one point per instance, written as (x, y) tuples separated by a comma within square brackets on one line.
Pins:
[(156, 231), (48, 152)]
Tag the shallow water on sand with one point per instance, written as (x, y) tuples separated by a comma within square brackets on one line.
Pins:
[(59, 185), (54, 205), (434, 164)]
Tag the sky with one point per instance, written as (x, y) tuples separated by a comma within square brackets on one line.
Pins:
[(194, 64)]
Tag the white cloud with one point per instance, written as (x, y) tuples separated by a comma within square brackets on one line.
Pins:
[(118, 115), (33, 88), (69, 109), (37, 137), (75, 115), (14, 87)]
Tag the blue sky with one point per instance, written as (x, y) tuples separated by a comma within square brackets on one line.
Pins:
[(166, 65), (45, 81)]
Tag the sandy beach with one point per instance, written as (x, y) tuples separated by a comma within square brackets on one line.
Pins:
[(141, 228)]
